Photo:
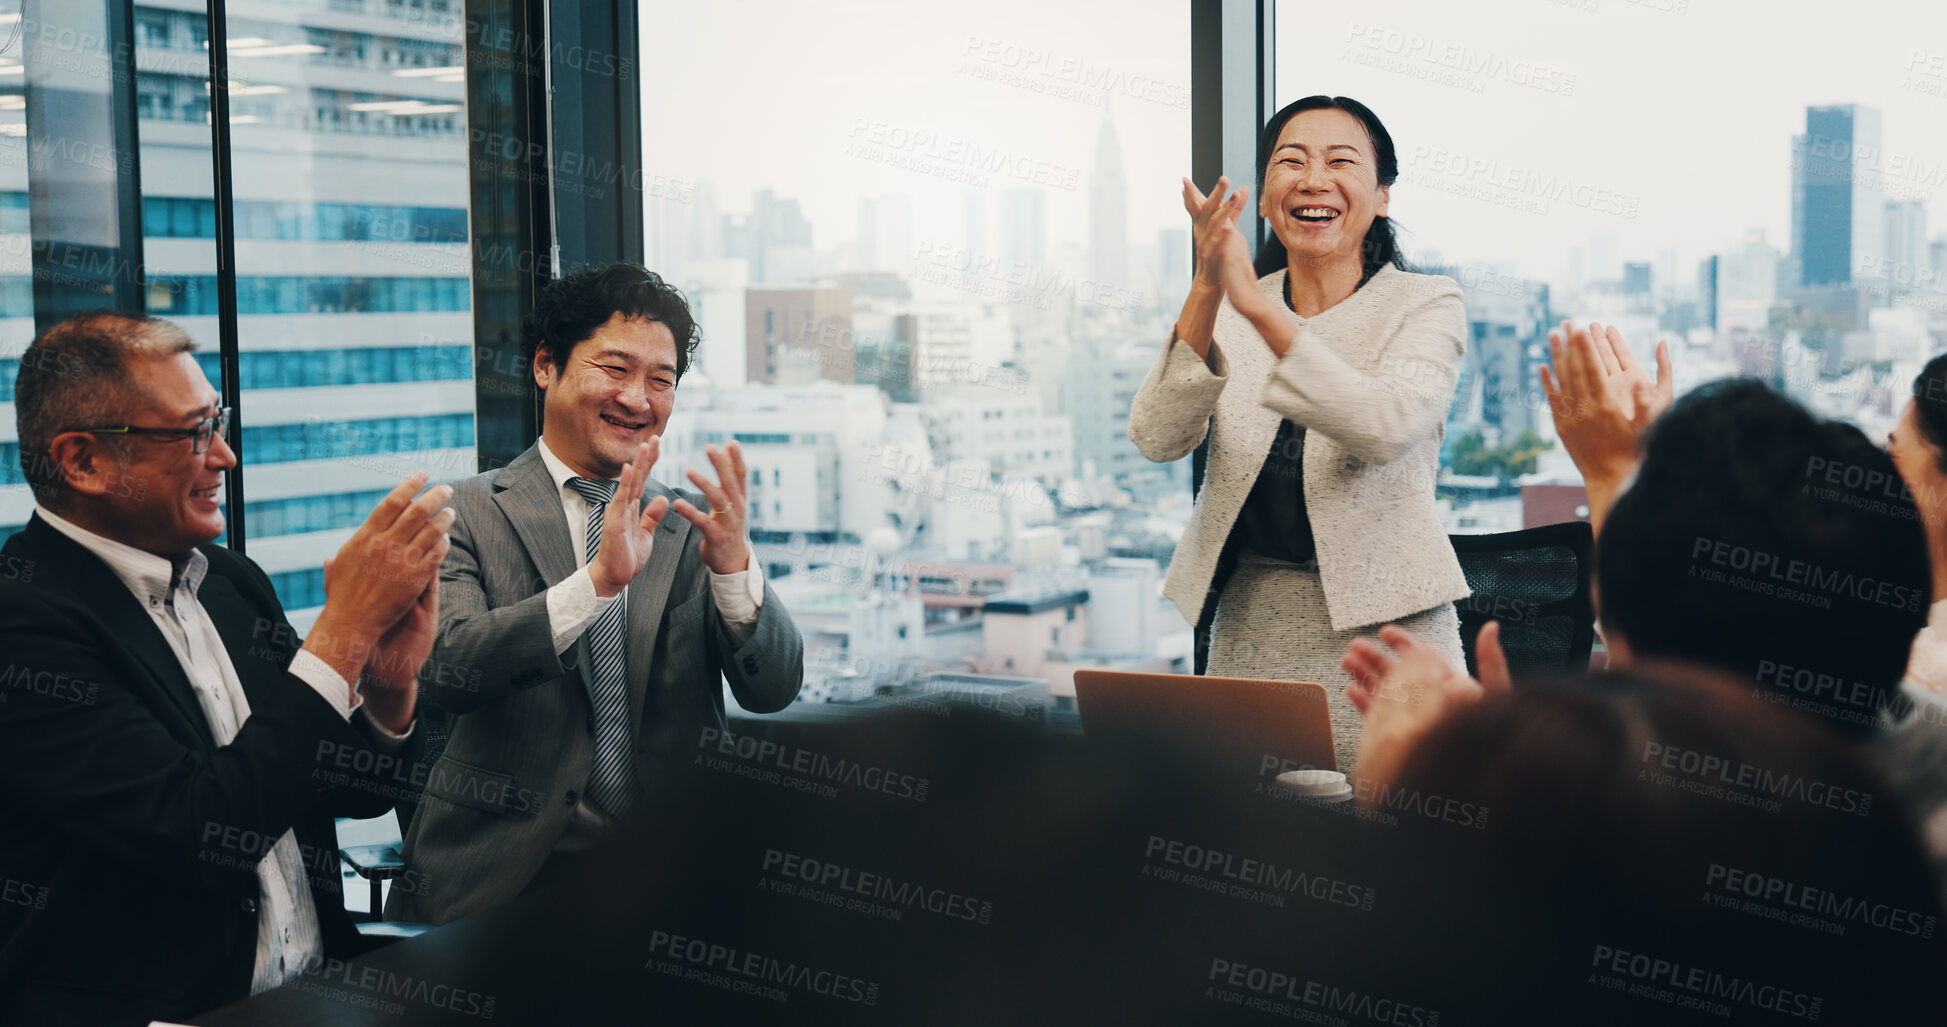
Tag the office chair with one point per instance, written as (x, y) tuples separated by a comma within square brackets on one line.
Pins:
[(1536, 583), (385, 861), (378, 864)]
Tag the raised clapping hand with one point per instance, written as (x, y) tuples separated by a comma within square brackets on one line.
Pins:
[(1403, 696), (1223, 254), (723, 550), (379, 576), (628, 530), (390, 685), (1603, 401)]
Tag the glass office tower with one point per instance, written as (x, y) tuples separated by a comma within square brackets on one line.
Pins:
[(1838, 202), (349, 162)]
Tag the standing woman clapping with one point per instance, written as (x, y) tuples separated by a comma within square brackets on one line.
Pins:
[(1321, 378)]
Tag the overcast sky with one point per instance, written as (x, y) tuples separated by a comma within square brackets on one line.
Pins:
[(1685, 117), (1692, 112), (770, 94)]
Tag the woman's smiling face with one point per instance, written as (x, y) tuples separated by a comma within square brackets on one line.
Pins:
[(1321, 188)]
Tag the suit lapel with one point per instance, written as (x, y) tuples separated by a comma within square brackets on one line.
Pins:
[(648, 596), (89, 580), (532, 504)]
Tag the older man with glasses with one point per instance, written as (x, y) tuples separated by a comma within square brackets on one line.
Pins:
[(171, 752)]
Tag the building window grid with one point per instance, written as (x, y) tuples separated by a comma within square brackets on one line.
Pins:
[(320, 440), (297, 369), (194, 217), (269, 518), (195, 295), (298, 590), (163, 97)]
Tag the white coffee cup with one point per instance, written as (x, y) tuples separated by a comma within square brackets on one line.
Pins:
[(1317, 785)]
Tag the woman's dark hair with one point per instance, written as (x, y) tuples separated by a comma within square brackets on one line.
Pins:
[(1930, 407), (1773, 545), (1381, 248), (1664, 812), (570, 309)]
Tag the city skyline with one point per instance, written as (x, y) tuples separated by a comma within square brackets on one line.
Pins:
[(1687, 109)]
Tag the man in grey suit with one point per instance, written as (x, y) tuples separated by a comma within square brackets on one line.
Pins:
[(582, 633)]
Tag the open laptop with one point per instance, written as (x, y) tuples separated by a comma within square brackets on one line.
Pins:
[(1244, 725)]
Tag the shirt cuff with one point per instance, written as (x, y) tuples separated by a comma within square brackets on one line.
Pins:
[(572, 606), (306, 667), (311, 670), (388, 740), (739, 596)]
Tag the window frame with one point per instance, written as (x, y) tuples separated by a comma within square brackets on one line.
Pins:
[(518, 88)]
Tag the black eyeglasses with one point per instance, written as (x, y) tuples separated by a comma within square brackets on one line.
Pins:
[(200, 435)]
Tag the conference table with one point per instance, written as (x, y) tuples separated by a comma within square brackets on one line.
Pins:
[(1026, 879)]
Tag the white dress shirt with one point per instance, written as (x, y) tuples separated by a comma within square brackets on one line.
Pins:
[(573, 605), (288, 937)]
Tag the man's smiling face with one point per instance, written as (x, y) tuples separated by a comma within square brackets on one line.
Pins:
[(614, 393)]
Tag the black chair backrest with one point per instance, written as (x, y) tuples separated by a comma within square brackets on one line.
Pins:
[(1536, 583)]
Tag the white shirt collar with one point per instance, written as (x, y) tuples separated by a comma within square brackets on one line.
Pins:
[(557, 467), (150, 577)]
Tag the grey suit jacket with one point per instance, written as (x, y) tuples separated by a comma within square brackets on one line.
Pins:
[(523, 737), (1371, 380)]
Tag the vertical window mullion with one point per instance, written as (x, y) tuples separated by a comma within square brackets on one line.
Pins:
[(224, 201)]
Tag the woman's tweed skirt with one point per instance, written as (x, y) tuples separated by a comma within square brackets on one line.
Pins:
[(1271, 622)]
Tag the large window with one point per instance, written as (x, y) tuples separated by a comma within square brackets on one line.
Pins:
[(354, 331), (348, 154), (16, 275), (956, 249), (1751, 181)]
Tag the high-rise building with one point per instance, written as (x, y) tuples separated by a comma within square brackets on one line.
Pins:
[(974, 206), (1173, 270), (885, 240), (794, 336), (1021, 241), (1108, 210), (1095, 387), (1508, 321), (715, 288), (1007, 430), (1747, 283), (706, 223), (779, 240), (349, 153), (1906, 245), (1838, 217), (1707, 284), (942, 351), (1663, 275), (1023, 228), (1636, 279), (814, 454), (883, 351)]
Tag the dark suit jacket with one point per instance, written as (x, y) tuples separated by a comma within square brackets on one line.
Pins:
[(523, 730), (128, 888)]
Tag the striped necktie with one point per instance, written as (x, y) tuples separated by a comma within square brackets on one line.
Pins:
[(612, 781)]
